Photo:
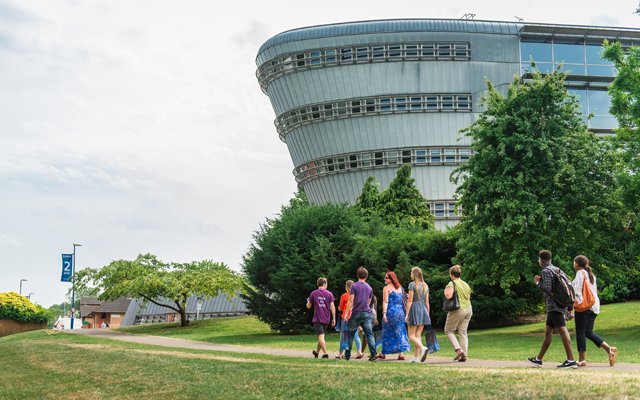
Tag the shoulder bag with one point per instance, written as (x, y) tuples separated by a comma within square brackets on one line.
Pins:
[(453, 303)]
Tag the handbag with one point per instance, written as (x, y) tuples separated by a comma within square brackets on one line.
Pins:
[(588, 299), (453, 303), (431, 339)]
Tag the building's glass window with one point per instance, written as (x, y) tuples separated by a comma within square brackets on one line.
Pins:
[(568, 53), (354, 161), (539, 52), (329, 57), (346, 108)]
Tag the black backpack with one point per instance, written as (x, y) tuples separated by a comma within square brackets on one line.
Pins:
[(561, 289)]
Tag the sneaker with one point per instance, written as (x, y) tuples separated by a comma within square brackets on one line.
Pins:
[(462, 358), (325, 356), (535, 361), (423, 354), (315, 353), (414, 360), (613, 353), (373, 358), (458, 355), (568, 364)]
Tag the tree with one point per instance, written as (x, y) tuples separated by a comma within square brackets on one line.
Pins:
[(368, 203), (402, 202), (19, 308), (625, 106), (151, 279), (399, 204), (538, 179)]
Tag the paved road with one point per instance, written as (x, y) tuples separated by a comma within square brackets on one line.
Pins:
[(431, 360)]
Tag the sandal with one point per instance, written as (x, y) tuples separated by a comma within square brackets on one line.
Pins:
[(459, 354), (359, 356), (380, 356), (582, 363), (339, 357), (400, 358), (613, 353)]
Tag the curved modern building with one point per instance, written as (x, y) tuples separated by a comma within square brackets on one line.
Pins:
[(359, 99)]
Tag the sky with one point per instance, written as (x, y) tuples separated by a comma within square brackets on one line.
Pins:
[(136, 127)]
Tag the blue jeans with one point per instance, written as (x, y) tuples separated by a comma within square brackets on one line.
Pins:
[(344, 337), (363, 319)]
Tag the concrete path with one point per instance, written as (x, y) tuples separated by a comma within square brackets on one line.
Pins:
[(431, 360)]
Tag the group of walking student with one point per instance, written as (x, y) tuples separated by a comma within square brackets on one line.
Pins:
[(406, 315)]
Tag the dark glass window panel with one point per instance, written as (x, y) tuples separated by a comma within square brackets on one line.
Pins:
[(601, 70), (539, 52), (362, 53), (411, 50), (416, 103), (371, 105), (568, 53), (378, 52), (573, 69), (346, 54), (432, 102), (314, 58), (428, 50), (447, 102), (394, 51), (401, 103), (385, 104), (593, 55)]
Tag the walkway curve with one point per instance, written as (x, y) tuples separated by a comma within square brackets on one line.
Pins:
[(431, 360)]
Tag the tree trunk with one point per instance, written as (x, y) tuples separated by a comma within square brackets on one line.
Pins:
[(183, 312)]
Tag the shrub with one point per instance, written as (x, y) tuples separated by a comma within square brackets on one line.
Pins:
[(18, 308)]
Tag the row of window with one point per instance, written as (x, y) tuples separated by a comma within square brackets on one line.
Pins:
[(372, 159), (290, 120), (575, 58), (445, 209), (328, 57)]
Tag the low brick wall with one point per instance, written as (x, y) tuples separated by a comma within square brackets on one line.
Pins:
[(9, 327)]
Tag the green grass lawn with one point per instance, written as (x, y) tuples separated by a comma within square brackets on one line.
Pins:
[(58, 365), (617, 324)]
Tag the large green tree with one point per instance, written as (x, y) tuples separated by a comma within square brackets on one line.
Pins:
[(538, 179), (152, 279), (625, 106)]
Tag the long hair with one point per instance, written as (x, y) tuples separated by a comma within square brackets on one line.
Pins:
[(347, 285), (416, 275), (583, 263), (394, 279)]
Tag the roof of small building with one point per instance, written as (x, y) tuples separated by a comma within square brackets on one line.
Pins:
[(93, 305)]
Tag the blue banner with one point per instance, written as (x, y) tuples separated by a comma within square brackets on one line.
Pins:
[(67, 267)]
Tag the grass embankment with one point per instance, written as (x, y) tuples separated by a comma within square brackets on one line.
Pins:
[(58, 365), (618, 324)]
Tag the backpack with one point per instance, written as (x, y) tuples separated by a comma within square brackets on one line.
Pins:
[(561, 289)]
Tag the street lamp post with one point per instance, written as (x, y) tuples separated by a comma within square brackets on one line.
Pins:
[(29, 296), (21, 280), (73, 285)]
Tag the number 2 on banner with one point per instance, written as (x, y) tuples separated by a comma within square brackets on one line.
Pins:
[(67, 266)]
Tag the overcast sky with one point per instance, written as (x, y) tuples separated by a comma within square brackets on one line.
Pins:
[(139, 126)]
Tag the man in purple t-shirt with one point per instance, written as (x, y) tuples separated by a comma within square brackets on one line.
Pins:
[(360, 296), (324, 312)]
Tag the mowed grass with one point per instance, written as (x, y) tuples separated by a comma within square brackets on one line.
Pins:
[(58, 365), (617, 324)]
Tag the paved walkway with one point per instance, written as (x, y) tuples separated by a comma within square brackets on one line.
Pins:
[(431, 360)]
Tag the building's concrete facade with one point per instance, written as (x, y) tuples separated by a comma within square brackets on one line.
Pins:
[(359, 99)]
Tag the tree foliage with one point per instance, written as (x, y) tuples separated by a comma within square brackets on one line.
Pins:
[(399, 204), (19, 308), (151, 279), (538, 179)]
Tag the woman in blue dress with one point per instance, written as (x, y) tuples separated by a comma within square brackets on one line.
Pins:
[(394, 330)]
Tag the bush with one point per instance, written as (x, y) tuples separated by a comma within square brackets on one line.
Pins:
[(18, 308)]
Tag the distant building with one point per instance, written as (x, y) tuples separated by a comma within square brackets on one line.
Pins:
[(140, 313), (360, 99), (95, 312)]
